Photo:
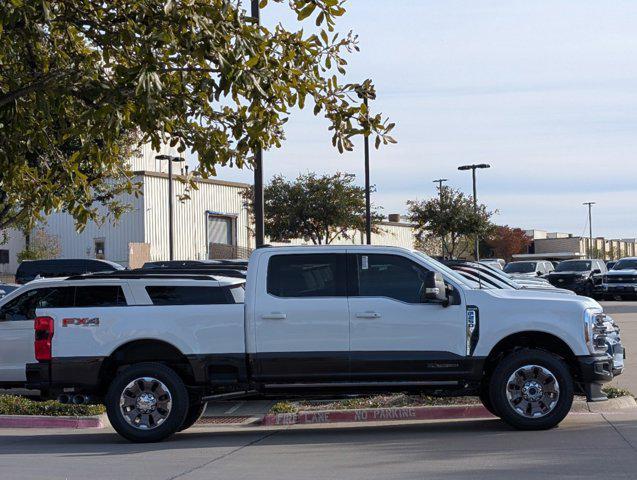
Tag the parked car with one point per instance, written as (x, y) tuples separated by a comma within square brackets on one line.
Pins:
[(486, 274), (62, 267), (584, 277), (88, 295), (539, 268), (498, 263), (325, 320), (6, 288), (621, 282)]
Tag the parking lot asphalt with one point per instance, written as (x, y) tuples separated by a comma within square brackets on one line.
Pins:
[(585, 446), (625, 314)]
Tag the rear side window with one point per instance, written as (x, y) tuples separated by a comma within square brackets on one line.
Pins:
[(311, 275), (181, 295), (100, 296)]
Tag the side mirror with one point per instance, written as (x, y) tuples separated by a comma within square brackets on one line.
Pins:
[(434, 289), (538, 273), (597, 271)]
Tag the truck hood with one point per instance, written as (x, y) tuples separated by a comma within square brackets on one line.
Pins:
[(620, 273), (533, 295)]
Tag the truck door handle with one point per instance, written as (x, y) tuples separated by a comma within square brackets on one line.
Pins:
[(274, 316), (368, 315)]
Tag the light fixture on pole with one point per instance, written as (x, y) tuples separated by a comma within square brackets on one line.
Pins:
[(170, 159), (590, 228), (440, 181), (473, 169), (259, 225)]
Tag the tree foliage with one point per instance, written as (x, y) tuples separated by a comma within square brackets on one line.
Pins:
[(314, 208), (41, 246), (506, 242), (82, 82), (451, 219)]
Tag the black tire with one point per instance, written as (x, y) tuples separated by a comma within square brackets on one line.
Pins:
[(195, 412), (589, 290), (499, 387), (486, 400), (175, 415)]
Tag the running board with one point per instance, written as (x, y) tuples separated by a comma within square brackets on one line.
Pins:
[(231, 395), (432, 383)]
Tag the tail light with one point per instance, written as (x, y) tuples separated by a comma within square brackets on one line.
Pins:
[(43, 338)]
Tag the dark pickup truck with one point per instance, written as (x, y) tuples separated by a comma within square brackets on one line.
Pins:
[(583, 277)]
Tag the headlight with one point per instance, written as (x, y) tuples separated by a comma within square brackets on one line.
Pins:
[(596, 325)]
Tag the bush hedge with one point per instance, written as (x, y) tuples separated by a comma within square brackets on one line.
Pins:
[(14, 405)]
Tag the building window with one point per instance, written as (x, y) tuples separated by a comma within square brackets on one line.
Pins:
[(4, 256), (100, 248)]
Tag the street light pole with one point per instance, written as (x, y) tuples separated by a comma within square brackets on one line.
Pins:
[(590, 227), (473, 169), (259, 226), (442, 238), (368, 207), (171, 232)]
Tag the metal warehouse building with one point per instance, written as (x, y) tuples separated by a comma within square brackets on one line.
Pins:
[(212, 223)]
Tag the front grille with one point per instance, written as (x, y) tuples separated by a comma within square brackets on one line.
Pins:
[(621, 279)]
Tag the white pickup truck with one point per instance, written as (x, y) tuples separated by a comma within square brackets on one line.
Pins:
[(325, 320)]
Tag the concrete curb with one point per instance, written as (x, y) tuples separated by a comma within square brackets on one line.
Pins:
[(454, 412), (43, 421), (377, 415)]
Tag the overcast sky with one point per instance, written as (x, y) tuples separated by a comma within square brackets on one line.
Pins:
[(544, 91)]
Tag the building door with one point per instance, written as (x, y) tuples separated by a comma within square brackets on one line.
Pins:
[(221, 233)]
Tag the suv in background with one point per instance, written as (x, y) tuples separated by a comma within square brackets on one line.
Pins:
[(539, 268), (584, 277), (62, 267), (621, 281), (84, 299)]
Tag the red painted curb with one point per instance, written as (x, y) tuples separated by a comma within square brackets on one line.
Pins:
[(377, 415), (42, 421)]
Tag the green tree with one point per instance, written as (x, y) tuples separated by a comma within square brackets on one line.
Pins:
[(41, 246), (450, 218), (82, 82), (315, 208)]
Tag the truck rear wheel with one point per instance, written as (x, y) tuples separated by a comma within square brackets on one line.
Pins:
[(195, 412), (485, 398), (531, 390), (147, 402)]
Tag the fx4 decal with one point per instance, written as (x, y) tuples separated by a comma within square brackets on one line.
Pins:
[(81, 322)]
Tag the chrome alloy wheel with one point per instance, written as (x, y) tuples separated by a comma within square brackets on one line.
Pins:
[(533, 391), (145, 403)]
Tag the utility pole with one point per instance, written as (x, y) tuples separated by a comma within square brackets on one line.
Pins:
[(171, 233), (368, 206), (473, 169), (590, 228), (259, 226), (442, 238)]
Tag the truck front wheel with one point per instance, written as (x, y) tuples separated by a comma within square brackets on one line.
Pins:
[(531, 389), (195, 412), (147, 402)]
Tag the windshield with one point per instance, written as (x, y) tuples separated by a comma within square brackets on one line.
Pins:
[(443, 268), (628, 264), (573, 266), (520, 267)]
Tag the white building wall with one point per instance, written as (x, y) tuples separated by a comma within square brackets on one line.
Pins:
[(117, 236), (391, 234), (146, 161), (15, 244), (190, 215)]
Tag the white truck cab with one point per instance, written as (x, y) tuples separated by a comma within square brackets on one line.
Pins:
[(341, 319)]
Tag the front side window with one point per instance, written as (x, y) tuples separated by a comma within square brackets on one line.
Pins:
[(392, 276), (100, 296), (189, 295), (307, 275)]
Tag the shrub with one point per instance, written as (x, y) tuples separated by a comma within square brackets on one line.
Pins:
[(14, 405), (283, 407), (615, 392)]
